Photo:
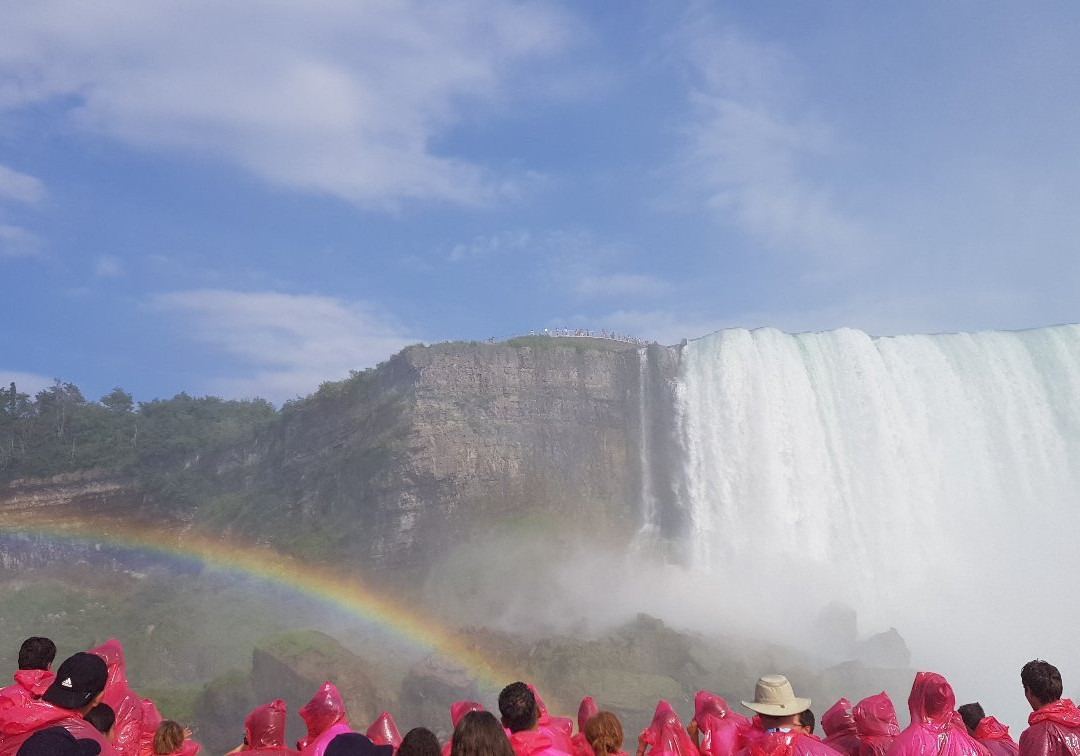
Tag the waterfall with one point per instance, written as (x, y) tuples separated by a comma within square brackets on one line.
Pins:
[(907, 476), (649, 520)]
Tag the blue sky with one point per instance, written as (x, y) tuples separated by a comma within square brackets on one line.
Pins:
[(249, 198)]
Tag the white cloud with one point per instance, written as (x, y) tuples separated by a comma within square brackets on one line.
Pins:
[(750, 146), (331, 96), (286, 345), (485, 246), (108, 266), (25, 383), (20, 187), (18, 242)]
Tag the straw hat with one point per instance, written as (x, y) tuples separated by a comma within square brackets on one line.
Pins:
[(774, 697)]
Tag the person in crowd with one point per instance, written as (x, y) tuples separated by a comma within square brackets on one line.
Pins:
[(777, 729), (103, 718), (1054, 723), (604, 733), (935, 725), (56, 741), (520, 716), (666, 735), (478, 733), (419, 741), (715, 727), (458, 709), (808, 721), (838, 724), (559, 729), (34, 675), (987, 730), (325, 718), (128, 707), (172, 739), (579, 744), (355, 744), (78, 688), (876, 725), (972, 714), (383, 731), (264, 731)]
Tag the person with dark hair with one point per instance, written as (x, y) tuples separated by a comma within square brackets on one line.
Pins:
[(807, 721), (37, 653), (987, 730), (419, 741), (34, 675), (520, 716), (355, 744), (972, 714), (604, 733), (103, 718), (78, 688), (777, 728), (934, 727), (478, 733), (1054, 723)]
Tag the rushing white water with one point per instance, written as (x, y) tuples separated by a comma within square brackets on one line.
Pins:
[(931, 482)]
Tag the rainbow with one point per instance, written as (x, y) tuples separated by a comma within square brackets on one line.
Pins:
[(344, 592)]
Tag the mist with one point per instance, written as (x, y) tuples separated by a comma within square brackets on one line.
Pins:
[(923, 483)]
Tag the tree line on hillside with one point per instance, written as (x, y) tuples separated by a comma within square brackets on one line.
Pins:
[(59, 430)]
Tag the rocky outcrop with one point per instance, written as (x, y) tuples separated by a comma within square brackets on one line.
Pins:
[(294, 665), (391, 467)]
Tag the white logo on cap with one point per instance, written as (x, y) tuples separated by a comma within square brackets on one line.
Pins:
[(67, 683)]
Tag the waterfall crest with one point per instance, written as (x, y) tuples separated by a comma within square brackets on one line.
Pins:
[(883, 471)]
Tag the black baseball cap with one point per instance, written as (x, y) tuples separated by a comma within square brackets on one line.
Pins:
[(56, 741), (79, 679), (355, 744)]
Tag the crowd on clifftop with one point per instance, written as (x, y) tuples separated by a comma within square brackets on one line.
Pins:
[(86, 708)]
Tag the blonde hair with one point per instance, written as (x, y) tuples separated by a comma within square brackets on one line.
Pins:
[(604, 733), (168, 738)]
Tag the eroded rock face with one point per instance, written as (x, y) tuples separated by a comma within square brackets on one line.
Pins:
[(391, 467), (447, 438)]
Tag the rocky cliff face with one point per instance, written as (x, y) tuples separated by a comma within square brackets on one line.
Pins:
[(388, 467)]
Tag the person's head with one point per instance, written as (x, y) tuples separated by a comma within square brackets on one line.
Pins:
[(419, 741), (1042, 683), (56, 741), (517, 705), (355, 744), (807, 721), (775, 702), (102, 717), (37, 653), (79, 684), (604, 733), (972, 714), (168, 738), (478, 733)]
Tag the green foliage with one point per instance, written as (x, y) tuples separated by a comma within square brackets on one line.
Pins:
[(59, 431)]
